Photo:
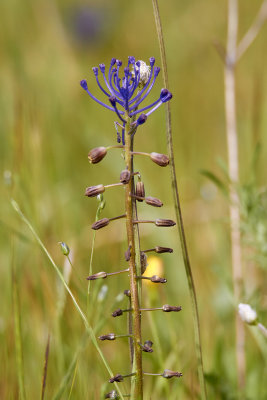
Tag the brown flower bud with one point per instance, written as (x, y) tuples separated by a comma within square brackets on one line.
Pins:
[(125, 176), (147, 348), (152, 201), (165, 222), (160, 159), (127, 293), (100, 224), (93, 191), (112, 395), (167, 373), (110, 336), (97, 276), (158, 279), (168, 308), (97, 154), (116, 378), (143, 262), (140, 190), (159, 249), (117, 313)]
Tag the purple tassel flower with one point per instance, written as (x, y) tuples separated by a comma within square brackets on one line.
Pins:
[(126, 93)]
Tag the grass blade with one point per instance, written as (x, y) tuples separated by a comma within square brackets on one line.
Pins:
[(45, 368)]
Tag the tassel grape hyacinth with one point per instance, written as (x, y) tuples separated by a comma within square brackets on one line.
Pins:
[(125, 92)]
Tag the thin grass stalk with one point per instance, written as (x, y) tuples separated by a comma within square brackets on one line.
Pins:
[(177, 206), (88, 327), (233, 166), (18, 336), (45, 368), (137, 382)]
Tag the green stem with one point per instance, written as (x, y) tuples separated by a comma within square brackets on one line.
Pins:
[(137, 383), (177, 206)]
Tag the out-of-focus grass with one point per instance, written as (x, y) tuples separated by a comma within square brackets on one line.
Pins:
[(48, 125)]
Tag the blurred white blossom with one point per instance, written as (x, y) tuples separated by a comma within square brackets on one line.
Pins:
[(247, 314)]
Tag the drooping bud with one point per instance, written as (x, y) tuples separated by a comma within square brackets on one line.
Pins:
[(116, 378), (167, 373), (168, 308), (161, 159), (117, 313), (141, 119), (110, 336), (140, 189), (125, 176), (100, 224), (127, 293), (148, 343), (64, 248), (99, 275), (143, 262), (112, 395), (153, 201), (165, 222), (158, 279), (160, 250), (97, 154), (93, 191)]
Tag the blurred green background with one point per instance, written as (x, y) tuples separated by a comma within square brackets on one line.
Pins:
[(47, 126)]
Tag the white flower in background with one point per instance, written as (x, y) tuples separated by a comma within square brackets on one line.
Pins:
[(102, 293), (247, 314)]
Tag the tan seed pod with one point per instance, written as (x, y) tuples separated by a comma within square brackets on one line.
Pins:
[(160, 250), (93, 191), (161, 159), (109, 336), (125, 176), (100, 224), (158, 279), (97, 154), (140, 190), (167, 373), (98, 275), (168, 308), (152, 201), (165, 222), (143, 262)]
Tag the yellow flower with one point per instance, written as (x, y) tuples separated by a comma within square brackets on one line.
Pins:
[(154, 267)]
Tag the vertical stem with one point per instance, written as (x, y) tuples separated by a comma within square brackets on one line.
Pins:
[(232, 148), (137, 392), (178, 211)]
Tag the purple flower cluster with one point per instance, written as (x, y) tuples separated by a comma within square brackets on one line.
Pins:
[(122, 92)]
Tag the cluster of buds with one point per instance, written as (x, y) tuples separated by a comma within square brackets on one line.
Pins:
[(125, 94)]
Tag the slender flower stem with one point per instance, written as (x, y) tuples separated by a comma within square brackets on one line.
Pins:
[(178, 211), (137, 390), (120, 216)]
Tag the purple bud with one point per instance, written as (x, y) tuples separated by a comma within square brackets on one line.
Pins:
[(126, 71), (156, 71), (163, 93), (165, 98), (83, 84), (152, 61), (95, 71), (119, 63), (112, 100), (138, 64), (131, 59), (112, 61), (102, 67), (141, 119)]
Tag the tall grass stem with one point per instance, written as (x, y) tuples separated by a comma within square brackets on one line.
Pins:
[(177, 206)]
